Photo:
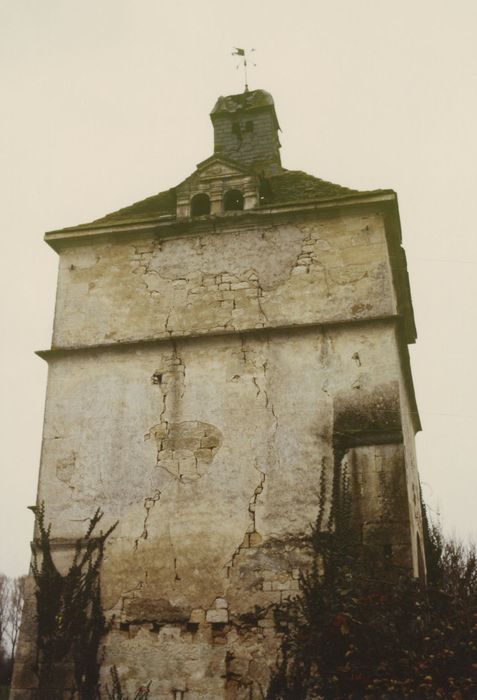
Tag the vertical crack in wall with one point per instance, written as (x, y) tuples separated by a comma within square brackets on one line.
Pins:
[(173, 555), (275, 454), (149, 503), (252, 537), (177, 366), (243, 350), (184, 448)]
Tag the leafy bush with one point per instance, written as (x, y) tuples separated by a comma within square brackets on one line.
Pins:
[(70, 618), (69, 614), (356, 632)]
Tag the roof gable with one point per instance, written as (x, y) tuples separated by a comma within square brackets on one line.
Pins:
[(219, 166), (290, 186)]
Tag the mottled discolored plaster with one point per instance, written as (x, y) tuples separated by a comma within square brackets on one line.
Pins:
[(225, 280), (205, 377), (211, 460)]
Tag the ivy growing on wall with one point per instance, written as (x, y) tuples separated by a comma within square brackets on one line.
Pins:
[(70, 619)]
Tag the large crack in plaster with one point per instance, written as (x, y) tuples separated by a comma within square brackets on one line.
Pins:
[(230, 293), (252, 537), (143, 257), (149, 503), (184, 448)]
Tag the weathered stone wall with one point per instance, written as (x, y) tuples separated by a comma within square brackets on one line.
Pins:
[(272, 349), (209, 452), (234, 278)]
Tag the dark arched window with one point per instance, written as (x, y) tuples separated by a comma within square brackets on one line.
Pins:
[(200, 204), (233, 200)]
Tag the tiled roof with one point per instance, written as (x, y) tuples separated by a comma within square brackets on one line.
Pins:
[(150, 208), (297, 186), (287, 187)]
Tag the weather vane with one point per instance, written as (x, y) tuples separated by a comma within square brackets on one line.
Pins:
[(243, 55)]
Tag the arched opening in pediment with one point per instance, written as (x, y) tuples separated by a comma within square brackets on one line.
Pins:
[(233, 200), (200, 204)]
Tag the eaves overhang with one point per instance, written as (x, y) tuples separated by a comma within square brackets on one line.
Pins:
[(167, 223)]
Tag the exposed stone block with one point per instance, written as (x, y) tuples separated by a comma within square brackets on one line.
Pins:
[(197, 616), (217, 616), (221, 604)]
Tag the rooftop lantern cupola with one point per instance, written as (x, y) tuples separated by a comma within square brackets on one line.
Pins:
[(246, 131)]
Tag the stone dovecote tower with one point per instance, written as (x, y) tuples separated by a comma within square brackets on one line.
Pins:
[(215, 348)]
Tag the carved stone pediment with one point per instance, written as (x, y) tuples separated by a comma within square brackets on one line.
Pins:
[(214, 177), (216, 167)]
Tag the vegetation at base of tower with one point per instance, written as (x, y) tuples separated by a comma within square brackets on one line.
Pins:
[(360, 629), (70, 619)]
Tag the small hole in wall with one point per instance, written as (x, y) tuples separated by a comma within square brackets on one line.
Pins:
[(124, 626), (192, 627), (156, 378)]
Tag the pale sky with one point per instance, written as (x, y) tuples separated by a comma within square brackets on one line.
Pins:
[(105, 102)]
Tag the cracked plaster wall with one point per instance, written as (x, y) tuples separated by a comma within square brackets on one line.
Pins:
[(209, 452), (239, 277)]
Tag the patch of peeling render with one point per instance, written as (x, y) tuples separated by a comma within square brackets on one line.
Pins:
[(185, 449), (310, 259), (236, 295), (117, 614), (142, 258), (65, 468), (308, 256), (225, 290), (228, 292), (311, 253)]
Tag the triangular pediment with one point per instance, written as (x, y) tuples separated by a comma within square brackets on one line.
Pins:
[(215, 168), (218, 166)]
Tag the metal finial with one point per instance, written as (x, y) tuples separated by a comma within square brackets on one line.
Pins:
[(243, 55)]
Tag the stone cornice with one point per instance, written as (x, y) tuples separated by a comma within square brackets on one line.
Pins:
[(60, 352)]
